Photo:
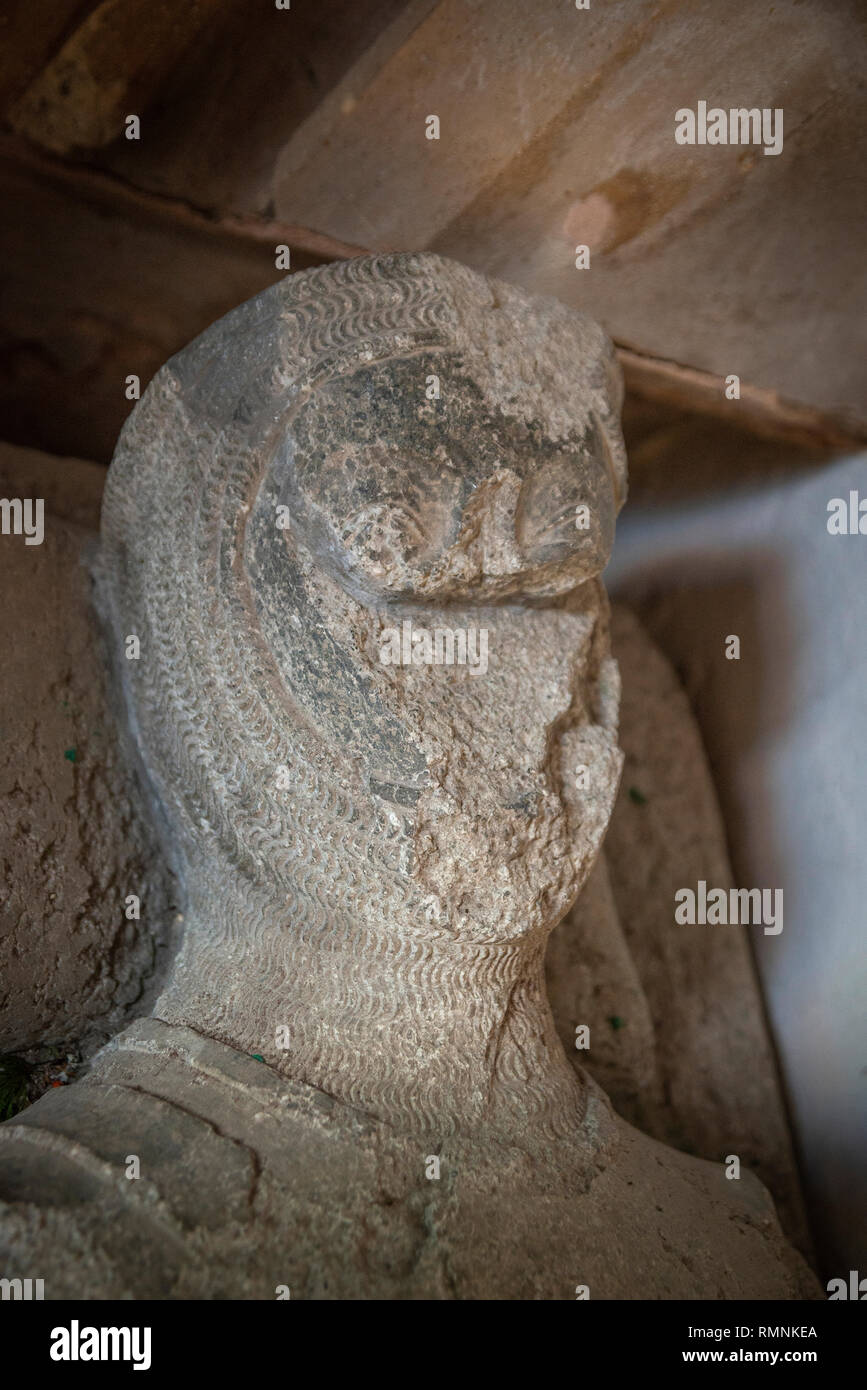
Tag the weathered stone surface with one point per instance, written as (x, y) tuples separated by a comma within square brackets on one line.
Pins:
[(594, 973), (678, 1039), (250, 1180), (74, 837), (373, 854)]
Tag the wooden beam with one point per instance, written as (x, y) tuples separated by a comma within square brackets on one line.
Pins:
[(757, 411)]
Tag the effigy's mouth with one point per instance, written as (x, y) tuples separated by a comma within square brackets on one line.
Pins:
[(512, 812)]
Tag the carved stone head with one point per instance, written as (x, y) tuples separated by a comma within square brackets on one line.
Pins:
[(387, 445)]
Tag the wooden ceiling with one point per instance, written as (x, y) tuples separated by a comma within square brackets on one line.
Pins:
[(306, 126)]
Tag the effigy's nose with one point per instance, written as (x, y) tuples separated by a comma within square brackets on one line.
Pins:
[(490, 524)]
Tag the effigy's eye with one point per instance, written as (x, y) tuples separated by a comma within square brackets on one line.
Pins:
[(567, 508)]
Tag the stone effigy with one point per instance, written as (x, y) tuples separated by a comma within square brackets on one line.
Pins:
[(352, 1085)]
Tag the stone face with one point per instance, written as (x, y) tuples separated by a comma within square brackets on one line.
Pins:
[(373, 853)]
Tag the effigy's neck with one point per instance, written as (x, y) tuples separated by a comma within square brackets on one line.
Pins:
[(426, 1032)]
